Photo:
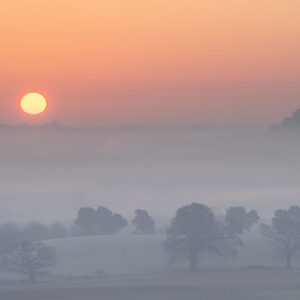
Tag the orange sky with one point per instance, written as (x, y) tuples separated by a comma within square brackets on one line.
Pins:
[(151, 61)]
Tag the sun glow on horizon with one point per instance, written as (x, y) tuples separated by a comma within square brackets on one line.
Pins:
[(33, 103)]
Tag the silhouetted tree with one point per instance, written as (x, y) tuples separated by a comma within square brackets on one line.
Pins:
[(109, 222), (143, 222), (101, 221), (237, 219), (87, 220), (284, 232), (30, 258), (193, 231)]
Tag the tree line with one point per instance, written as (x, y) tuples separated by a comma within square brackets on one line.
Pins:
[(23, 250), (89, 221), (102, 221), (194, 230)]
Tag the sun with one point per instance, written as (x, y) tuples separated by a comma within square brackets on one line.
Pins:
[(33, 103)]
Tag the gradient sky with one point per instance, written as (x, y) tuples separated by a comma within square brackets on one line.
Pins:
[(159, 61)]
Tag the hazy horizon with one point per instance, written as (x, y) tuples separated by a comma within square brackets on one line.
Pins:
[(52, 173)]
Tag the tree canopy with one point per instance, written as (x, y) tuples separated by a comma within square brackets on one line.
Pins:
[(284, 232), (143, 222), (195, 230), (101, 221)]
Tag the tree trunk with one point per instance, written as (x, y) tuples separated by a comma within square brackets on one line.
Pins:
[(288, 261), (31, 276), (193, 259), (288, 255)]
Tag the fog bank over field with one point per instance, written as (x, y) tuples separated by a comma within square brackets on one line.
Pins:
[(48, 172)]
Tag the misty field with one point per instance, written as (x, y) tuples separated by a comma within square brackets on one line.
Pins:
[(139, 254), (134, 267), (109, 255), (205, 285)]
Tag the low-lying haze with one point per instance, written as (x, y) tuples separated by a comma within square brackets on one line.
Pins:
[(49, 171)]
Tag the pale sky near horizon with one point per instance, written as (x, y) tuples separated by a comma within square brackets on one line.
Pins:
[(159, 61)]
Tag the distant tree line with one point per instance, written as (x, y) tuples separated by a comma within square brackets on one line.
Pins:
[(89, 221), (11, 234), (23, 250), (194, 230), (102, 221)]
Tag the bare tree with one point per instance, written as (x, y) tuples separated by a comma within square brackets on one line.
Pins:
[(30, 258), (284, 232)]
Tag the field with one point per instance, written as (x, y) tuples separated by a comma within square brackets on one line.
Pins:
[(137, 254), (129, 267), (109, 255), (208, 285)]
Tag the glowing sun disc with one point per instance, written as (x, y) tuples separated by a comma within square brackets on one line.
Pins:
[(33, 103)]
